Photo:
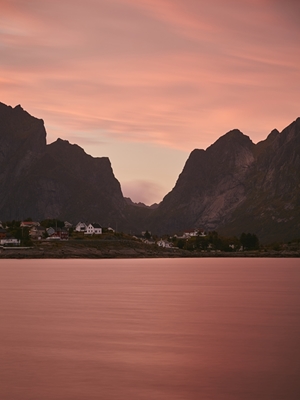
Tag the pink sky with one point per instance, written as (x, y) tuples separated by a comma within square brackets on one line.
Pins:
[(144, 82)]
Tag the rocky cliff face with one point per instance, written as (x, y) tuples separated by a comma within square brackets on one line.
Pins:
[(20, 133), (210, 186), (52, 181), (233, 186), (22, 142), (237, 186), (272, 204)]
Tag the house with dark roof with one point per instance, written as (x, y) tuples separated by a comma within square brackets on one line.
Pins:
[(58, 233), (81, 227), (37, 232), (50, 231), (63, 233), (93, 229)]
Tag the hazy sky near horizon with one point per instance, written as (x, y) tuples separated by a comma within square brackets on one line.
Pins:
[(145, 82)]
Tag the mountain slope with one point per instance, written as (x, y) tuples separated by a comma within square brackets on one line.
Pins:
[(210, 186), (272, 205), (237, 186), (52, 181)]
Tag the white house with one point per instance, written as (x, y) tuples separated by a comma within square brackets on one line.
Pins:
[(81, 227), (164, 243), (190, 233), (93, 229), (11, 242), (193, 233)]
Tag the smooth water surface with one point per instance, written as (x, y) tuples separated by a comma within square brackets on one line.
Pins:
[(150, 329)]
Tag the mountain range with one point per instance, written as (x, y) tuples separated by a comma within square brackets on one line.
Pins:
[(233, 186)]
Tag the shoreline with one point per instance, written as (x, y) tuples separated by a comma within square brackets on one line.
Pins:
[(126, 250)]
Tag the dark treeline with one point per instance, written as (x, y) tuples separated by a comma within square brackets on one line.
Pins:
[(214, 241)]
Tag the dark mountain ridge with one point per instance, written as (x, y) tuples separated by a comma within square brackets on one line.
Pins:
[(232, 186), (58, 180), (236, 185)]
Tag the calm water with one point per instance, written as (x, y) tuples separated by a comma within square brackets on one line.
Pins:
[(150, 329)]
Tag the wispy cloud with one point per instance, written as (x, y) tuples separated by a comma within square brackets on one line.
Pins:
[(166, 72)]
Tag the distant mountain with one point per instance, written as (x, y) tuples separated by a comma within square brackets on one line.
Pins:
[(131, 203), (237, 186)]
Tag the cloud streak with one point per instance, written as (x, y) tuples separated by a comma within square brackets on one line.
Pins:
[(171, 73)]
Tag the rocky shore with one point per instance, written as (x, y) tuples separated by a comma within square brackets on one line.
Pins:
[(122, 249)]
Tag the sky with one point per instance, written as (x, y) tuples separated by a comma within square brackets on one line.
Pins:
[(145, 82)]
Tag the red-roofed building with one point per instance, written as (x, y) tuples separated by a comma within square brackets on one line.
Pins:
[(3, 233)]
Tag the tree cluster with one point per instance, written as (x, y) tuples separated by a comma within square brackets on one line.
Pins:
[(214, 241), (249, 241)]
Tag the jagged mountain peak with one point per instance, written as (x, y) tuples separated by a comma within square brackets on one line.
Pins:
[(273, 134), (62, 141), (231, 139), (64, 145), (233, 134), (291, 132), (78, 158), (18, 112), (20, 134)]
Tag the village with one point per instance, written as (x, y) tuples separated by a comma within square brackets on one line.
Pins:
[(17, 233), (53, 238)]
